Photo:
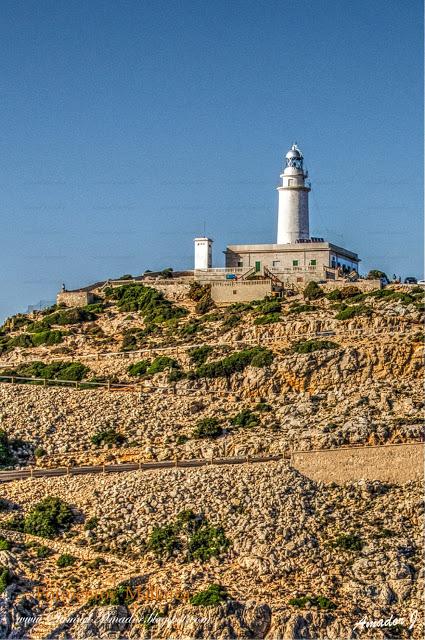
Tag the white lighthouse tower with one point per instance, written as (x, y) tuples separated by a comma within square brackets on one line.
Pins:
[(293, 222)]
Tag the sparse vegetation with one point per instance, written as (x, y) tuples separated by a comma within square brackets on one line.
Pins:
[(138, 368), (74, 371), (47, 519), (162, 363), (199, 355), (65, 560), (313, 292), (301, 308), (210, 597), (208, 428), (4, 544), (151, 303), (245, 418), (91, 524), (5, 578), (190, 535), (348, 542), (321, 602), (308, 346), (107, 436), (238, 361), (351, 312)]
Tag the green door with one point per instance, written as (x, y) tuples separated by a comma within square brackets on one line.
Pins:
[(257, 267)]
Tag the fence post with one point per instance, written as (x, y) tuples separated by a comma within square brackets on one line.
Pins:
[(109, 385), (45, 382)]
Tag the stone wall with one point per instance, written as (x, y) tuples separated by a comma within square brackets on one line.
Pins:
[(240, 291), (363, 285), (74, 298), (398, 463)]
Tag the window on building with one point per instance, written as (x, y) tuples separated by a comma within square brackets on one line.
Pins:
[(276, 263), (313, 263), (234, 292), (240, 263), (257, 266), (295, 263)]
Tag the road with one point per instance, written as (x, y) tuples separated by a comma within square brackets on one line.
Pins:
[(23, 474)]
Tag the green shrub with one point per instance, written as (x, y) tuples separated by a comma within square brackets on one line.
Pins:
[(246, 418), (208, 428), (42, 551), (199, 355), (207, 542), (182, 439), (138, 368), (197, 291), (162, 363), (74, 371), (312, 291), (210, 597), (107, 436), (23, 340), (375, 274), (301, 308), (348, 542), (190, 328), (47, 337), (39, 452), (334, 295), (151, 303), (190, 535), (268, 305), (6, 457), (308, 346), (205, 303), (65, 560), (314, 601), (352, 312), (91, 523), (231, 321), (350, 292), (5, 578), (175, 375), (4, 544), (268, 319), (263, 407), (238, 361), (121, 595), (48, 518)]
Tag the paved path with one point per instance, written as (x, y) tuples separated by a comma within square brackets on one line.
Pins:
[(10, 476)]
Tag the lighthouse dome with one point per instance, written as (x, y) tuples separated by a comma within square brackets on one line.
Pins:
[(294, 152)]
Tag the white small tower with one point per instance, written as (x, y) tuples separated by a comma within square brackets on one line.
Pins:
[(203, 253), (293, 222)]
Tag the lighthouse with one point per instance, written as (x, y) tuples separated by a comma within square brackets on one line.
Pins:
[(293, 222)]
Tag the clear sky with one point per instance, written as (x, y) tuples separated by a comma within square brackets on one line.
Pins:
[(130, 126)]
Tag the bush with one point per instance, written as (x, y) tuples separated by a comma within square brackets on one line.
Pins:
[(348, 542), (6, 457), (91, 524), (246, 418), (5, 578), (314, 601), (48, 338), (210, 597), (301, 308), (208, 428), (376, 274), (74, 371), (263, 407), (162, 363), (65, 560), (175, 375), (197, 291), (207, 542), (39, 452), (42, 551), (308, 346), (334, 295), (268, 319), (138, 368), (231, 321), (351, 312), (350, 292), (312, 291), (121, 595), (189, 534), (238, 361), (107, 436), (151, 303), (4, 544), (199, 355), (48, 518)]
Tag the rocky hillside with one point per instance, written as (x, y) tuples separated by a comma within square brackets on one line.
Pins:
[(250, 551)]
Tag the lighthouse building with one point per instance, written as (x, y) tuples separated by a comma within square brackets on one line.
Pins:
[(296, 257)]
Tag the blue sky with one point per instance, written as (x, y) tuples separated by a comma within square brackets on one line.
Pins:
[(129, 127)]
